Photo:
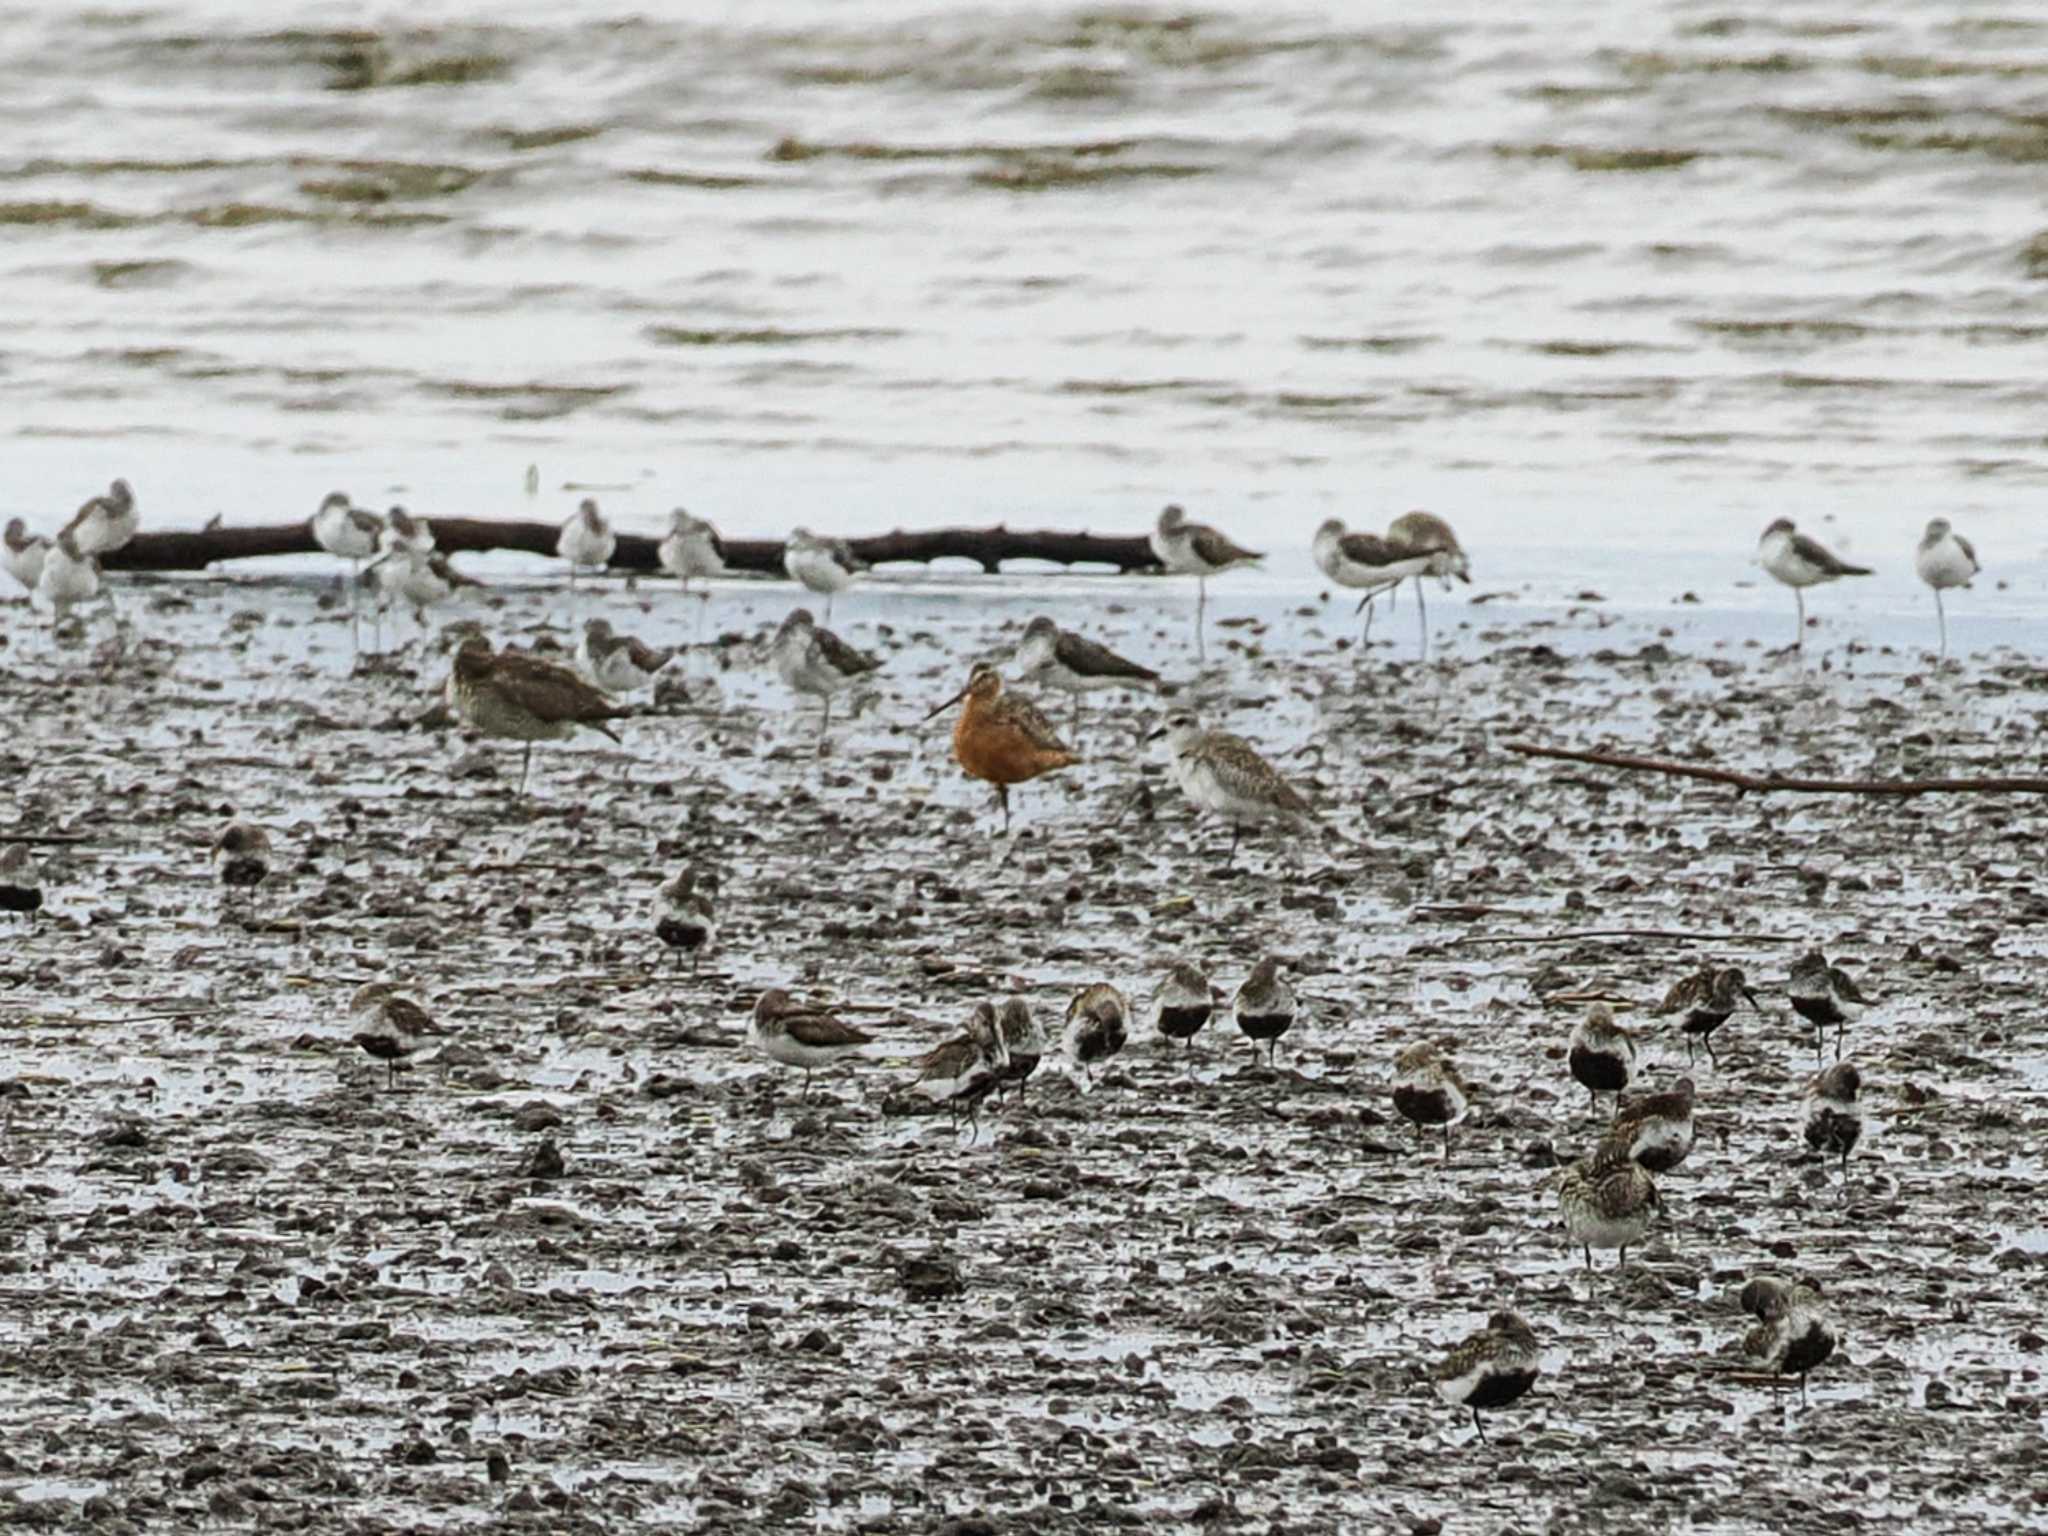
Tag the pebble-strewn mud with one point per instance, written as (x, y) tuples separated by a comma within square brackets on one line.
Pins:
[(243, 1285)]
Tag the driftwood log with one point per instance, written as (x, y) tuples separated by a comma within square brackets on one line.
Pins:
[(1765, 783), (166, 550)]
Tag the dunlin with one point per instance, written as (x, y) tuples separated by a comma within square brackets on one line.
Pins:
[(1657, 1129), (21, 881), (241, 856), (964, 1070), (1794, 1332), (1098, 1023), (691, 547), (404, 531), (520, 697), (23, 553), (1427, 534), (1183, 1003), (1074, 664), (1491, 1369), (1197, 550), (788, 1032), (69, 577), (826, 566), (1824, 994), (619, 663), (1225, 775), (1944, 559), (1001, 737), (1602, 1055), (1607, 1198), (1023, 1038), (105, 523), (1706, 997), (1365, 562), (1834, 1122), (390, 1026), (1428, 1091), (586, 539), (1799, 562), (684, 917), (1264, 1007), (814, 661)]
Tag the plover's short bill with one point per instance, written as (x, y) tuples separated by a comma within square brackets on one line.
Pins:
[(21, 881), (1197, 550), (1607, 1199), (586, 539), (1428, 1091), (1001, 737), (1794, 1330), (22, 553), (619, 663), (1074, 664), (390, 1026), (964, 1070), (520, 697), (1225, 776), (817, 663), (1490, 1369), (1799, 562), (684, 917), (1707, 998), (806, 1038), (1824, 994), (1023, 1038), (1183, 1003), (1098, 1023), (1944, 560), (1834, 1122), (691, 547), (826, 566), (1657, 1129), (1602, 1055), (105, 523), (1264, 1007)]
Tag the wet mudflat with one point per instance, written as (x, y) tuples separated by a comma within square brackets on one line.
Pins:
[(241, 1280)]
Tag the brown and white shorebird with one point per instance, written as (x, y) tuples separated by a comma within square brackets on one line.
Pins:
[(1834, 1122), (806, 1038), (1264, 1007), (1706, 997), (1023, 1038), (1491, 1368), (21, 881), (1366, 563), (520, 697), (685, 918), (1074, 664), (1657, 1129), (814, 661), (1183, 1003), (105, 523), (1098, 1022), (404, 531), (959, 1073), (1197, 550), (1824, 994), (1944, 560), (1794, 1331), (345, 530), (390, 1026), (691, 547), (1428, 1090), (619, 663), (826, 566), (69, 576), (241, 857), (22, 553), (1602, 1055), (1799, 562), (1001, 737), (1607, 1199), (417, 578), (586, 539), (1226, 776), (1427, 534)]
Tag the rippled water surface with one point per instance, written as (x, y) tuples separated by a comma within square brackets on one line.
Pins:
[(1586, 273)]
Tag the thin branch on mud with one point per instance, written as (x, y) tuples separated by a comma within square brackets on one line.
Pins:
[(1766, 782), (51, 838), (1572, 936)]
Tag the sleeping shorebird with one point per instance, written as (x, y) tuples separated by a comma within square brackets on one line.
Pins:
[(1824, 994), (23, 553), (684, 917), (1799, 562), (1197, 550), (619, 663), (241, 859), (959, 1073), (1183, 1004), (417, 578), (1097, 1024), (1944, 559), (1491, 1369), (1264, 1008), (1428, 1091), (586, 539), (346, 530), (691, 547), (69, 577), (1002, 738), (1023, 1038), (520, 697), (1225, 775), (1834, 1123), (1657, 1130), (786, 1031), (1607, 1198), (105, 523), (1073, 664), (1602, 1055), (21, 881), (1427, 534), (1794, 1332), (1707, 997), (390, 1026), (814, 661), (404, 531), (1366, 563), (826, 566)]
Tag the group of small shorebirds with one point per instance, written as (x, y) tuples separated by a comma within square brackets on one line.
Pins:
[(1606, 1198)]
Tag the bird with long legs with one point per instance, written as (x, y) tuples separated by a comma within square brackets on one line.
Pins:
[(1001, 737), (1197, 550)]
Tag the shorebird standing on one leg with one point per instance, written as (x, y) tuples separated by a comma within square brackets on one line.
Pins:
[(684, 918), (1225, 775), (21, 882), (1197, 550), (786, 1031), (586, 539), (1366, 563), (1002, 738), (619, 663), (1944, 559), (344, 529), (1098, 1023), (1428, 1091), (691, 547), (1794, 1332), (241, 857), (1602, 1055), (1074, 664), (814, 661), (1427, 534), (1183, 1003), (1490, 1369), (69, 577), (525, 698), (1834, 1123), (1657, 1130), (390, 1026), (1799, 562), (826, 566), (22, 554)]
